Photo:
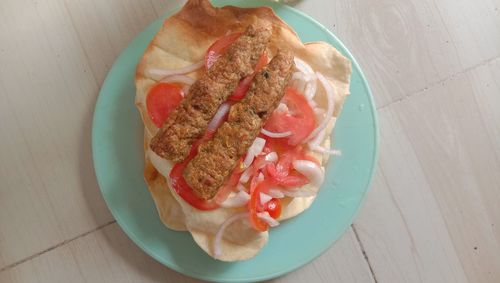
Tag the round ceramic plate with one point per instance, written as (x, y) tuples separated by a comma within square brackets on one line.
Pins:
[(117, 144)]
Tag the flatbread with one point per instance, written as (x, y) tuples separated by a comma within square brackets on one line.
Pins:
[(183, 40)]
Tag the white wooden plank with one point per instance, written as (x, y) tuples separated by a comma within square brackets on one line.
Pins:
[(405, 46), (437, 192), (105, 28), (343, 262), (49, 192), (107, 255)]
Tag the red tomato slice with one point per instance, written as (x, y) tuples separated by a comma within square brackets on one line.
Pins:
[(273, 207), (263, 60), (182, 188), (242, 88), (283, 174), (161, 100), (255, 207), (218, 47), (301, 120)]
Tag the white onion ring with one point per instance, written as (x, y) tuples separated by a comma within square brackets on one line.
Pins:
[(276, 193), (240, 199), (298, 76), (271, 156), (275, 135), (303, 66), (331, 103), (311, 87), (222, 228), (246, 175), (300, 86), (311, 170), (321, 149), (264, 198), (187, 80), (179, 71), (218, 117), (268, 219), (282, 108), (240, 187), (315, 142), (256, 148)]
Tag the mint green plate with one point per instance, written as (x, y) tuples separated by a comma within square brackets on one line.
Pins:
[(117, 144)]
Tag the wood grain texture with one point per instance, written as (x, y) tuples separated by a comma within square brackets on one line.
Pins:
[(406, 46), (49, 79), (107, 255), (49, 192), (433, 215)]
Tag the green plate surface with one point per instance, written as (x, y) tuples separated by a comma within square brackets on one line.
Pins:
[(117, 135)]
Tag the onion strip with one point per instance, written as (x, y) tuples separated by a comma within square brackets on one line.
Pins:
[(303, 66), (218, 117), (331, 104), (240, 199), (180, 71), (187, 80), (256, 148), (268, 219), (222, 228), (311, 170), (321, 149), (275, 135)]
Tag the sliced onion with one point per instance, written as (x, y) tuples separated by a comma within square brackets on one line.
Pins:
[(311, 87), (178, 79), (264, 198), (218, 117), (311, 170), (238, 200), (271, 157), (316, 141), (303, 66), (331, 103), (179, 71), (275, 135), (246, 175), (298, 76), (282, 108), (276, 193), (240, 187), (298, 193), (260, 177), (256, 148), (162, 165), (222, 228), (300, 86), (268, 219), (321, 149)]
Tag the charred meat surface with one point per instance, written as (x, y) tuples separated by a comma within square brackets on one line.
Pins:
[(217, 158), (189, 120)]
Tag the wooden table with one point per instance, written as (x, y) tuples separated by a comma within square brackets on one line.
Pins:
[(433, 212)]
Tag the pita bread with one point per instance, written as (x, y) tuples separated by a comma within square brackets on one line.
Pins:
[(183, 40)]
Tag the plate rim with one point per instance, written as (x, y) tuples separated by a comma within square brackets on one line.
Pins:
[(179, 268)]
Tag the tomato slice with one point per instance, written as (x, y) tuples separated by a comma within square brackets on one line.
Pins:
[(273, 207), (182, 188), (218, 47), (301, 120), (263, 60), (255, 207), (242, 88), (161, 100), (283, 174)]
